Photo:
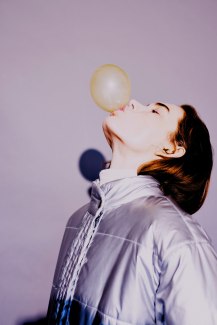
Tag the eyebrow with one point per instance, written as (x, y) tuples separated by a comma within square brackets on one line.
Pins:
[(163, 105)]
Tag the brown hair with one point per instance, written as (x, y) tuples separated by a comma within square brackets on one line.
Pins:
[(186, 179)]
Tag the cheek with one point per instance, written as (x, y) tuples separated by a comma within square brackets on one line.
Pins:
[(147, 137)]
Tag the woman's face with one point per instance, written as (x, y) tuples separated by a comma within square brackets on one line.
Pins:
[(143, 128)]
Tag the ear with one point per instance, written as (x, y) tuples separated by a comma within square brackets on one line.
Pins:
[(174, 152)]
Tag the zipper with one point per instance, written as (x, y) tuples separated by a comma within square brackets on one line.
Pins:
[(97, 219)]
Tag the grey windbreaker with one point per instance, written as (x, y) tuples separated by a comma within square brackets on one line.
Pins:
[(131, 256)]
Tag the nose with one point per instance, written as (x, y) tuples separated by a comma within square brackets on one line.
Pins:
[(132, 105)]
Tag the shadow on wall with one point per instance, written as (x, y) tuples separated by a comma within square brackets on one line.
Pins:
[(91, 163), (37, 321)]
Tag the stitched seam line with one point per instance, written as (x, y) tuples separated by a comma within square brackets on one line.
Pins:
[(117, 237), (181, 215), (99, 311), (180, 246), (125, 239)]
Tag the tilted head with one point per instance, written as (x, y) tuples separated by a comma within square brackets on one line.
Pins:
[(170, 143)]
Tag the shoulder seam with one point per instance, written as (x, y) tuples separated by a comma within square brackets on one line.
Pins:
[(186, 244), (182, 216)]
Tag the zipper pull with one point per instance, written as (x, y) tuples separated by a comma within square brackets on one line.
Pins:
[(97, 219)]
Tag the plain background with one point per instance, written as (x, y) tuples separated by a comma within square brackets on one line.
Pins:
[(48, 52)]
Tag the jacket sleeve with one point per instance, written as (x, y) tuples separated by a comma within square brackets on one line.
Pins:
[(187, 292)]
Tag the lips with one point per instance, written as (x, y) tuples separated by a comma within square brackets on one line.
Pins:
[(112, 113), (121, 109)]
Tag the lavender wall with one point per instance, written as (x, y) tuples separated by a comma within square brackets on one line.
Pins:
[(48, 52)]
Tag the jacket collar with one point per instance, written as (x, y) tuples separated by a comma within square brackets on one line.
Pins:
[(115, 193)]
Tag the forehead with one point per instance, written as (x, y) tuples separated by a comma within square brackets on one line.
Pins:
[(175, 110)]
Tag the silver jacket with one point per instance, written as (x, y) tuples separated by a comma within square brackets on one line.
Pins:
[(131, 256)]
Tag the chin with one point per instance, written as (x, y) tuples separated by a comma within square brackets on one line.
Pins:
[(107, 132), (105, 124), (108, 122)]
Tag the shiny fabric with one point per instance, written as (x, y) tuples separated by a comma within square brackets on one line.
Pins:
[(135, 258)]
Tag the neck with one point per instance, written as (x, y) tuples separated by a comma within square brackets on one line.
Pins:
[(122, 158)]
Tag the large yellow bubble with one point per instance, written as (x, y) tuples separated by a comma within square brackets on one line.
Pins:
[(110, 87)]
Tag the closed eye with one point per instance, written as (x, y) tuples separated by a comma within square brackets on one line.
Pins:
[(154, 111)]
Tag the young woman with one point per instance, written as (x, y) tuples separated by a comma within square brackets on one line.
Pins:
[(134, 255)]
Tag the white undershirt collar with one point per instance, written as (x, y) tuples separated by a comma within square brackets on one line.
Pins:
[(108, 175)]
